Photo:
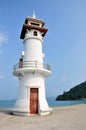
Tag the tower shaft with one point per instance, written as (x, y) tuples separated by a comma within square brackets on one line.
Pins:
[(32, 71)]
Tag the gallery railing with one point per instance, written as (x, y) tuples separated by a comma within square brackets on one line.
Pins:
[(31, 64)]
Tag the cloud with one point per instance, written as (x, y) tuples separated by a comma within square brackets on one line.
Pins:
[(64, 79), (3, 38), (1, 77)]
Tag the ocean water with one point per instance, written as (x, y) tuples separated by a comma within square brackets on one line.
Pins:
[(51, 102)]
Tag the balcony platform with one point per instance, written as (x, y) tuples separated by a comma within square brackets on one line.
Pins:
[(31, 66)]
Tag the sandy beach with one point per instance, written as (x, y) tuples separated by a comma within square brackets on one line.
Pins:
[(61, 118)]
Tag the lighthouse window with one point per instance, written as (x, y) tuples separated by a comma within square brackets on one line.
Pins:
[(35, 33), (35, 24)]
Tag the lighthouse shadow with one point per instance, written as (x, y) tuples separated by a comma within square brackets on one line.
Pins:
[(6, 111)]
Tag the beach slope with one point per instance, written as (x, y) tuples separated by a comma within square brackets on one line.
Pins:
[(61, 118)]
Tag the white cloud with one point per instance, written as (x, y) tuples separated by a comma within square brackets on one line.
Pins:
[(3, 38), (1, 76), (64, 79)]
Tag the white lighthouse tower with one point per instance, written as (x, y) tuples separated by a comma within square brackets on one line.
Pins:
[(31, 70)]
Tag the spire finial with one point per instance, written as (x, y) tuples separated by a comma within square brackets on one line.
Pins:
[(34, 16)]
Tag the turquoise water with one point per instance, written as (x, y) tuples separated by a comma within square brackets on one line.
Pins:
[(7, 103), (51, 102)]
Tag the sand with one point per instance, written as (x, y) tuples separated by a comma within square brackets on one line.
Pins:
[(62, 118)]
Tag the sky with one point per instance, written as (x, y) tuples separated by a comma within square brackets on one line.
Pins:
[(64, 44)]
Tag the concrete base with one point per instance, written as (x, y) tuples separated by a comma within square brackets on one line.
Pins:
[(45, 112), (20, 113), (25, 113)]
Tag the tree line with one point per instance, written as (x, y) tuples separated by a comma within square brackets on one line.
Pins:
[(76, 93)]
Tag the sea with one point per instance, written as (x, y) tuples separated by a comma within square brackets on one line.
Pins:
[(51, 101)]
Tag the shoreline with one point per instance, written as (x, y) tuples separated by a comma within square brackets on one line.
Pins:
[(62, 118)]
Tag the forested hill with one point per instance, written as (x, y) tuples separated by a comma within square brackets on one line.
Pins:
[(76, 93)]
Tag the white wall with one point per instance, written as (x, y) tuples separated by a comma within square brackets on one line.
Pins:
[(31, 81), (33, 47)]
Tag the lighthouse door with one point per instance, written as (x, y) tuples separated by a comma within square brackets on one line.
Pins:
[(33, 100)]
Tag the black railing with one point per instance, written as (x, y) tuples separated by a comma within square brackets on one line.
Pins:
[(31, 64)]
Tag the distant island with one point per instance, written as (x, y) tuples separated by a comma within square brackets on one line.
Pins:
[(76, 93)]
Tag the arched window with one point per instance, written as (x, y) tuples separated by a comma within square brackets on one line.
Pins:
[(35, 33)]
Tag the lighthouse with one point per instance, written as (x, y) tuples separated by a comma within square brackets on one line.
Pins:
[(31, 70)]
